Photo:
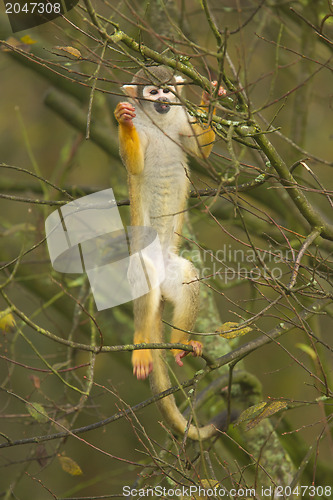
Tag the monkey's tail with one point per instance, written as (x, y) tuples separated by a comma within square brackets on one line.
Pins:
[(160, 382)]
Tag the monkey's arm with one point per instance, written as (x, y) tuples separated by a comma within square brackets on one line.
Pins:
[(202, 140), (130, 147)]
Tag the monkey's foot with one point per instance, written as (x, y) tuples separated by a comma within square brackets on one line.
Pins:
[(197, 351), (142, 362)]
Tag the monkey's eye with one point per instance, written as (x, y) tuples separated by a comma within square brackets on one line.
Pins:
[(166, 91), (153, 92)]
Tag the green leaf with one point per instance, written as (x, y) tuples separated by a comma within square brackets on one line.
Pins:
[(7, 321), (28, 40), (268, 411), (308, 350), (256, 413), (70, 466), (231, 330), (250, 412), (76, 282), (37, 412)]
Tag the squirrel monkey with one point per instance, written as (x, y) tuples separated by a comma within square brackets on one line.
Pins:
[(155, 132)]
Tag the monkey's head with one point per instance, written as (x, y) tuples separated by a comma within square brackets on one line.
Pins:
[(155, 88)]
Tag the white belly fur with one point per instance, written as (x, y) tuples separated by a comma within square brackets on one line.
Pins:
[(164, 183)]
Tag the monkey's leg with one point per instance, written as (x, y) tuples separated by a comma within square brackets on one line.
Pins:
[(181, 288), (146, 311)]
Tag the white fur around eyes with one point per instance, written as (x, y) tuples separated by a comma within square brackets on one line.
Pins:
[(146, 92)]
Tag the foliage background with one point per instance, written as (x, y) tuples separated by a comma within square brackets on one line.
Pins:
[(284, 66)]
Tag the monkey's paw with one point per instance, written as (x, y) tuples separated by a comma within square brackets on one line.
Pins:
[(125, 113), (197, 351), (221, 92), (142, 362)]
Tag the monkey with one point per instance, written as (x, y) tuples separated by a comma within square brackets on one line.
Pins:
[(155, 134)]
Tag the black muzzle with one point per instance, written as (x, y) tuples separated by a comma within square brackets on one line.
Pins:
[(162, 105)]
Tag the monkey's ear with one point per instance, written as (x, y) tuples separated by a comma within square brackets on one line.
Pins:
[(130, 90), (179, 81)]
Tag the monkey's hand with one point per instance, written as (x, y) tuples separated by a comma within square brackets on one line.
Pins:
[(125, 113), (142, 362), (206, 96), (197, 351)]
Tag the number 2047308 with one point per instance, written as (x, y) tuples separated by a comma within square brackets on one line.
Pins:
[(33, 8)]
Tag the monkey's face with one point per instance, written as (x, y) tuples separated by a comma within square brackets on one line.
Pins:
[(161, 97)]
